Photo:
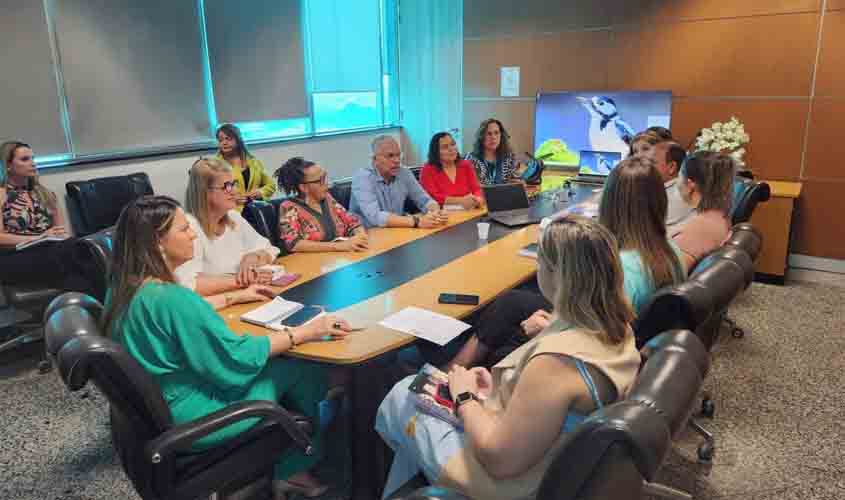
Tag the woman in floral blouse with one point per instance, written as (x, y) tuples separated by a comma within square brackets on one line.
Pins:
[(311, 220), (30, 212)]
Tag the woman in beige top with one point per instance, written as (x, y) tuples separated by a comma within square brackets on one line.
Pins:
[(514, 419), (705, 183)]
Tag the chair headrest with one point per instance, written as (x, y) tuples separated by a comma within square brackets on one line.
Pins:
[(129, 388), (639, 428), (724, 279), (670, 380), (683, 306), (746, 237), (69, 316)]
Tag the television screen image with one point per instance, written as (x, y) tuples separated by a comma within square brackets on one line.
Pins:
[(566, 123), (598, 162)]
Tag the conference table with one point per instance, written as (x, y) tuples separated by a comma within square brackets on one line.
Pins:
[(403, 267)]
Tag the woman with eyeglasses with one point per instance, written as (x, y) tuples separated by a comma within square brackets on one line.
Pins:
[(30, 212), (228, 251), (251, 180), (492, 155), (311, 220)]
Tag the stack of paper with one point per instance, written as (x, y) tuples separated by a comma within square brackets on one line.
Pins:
[(272, 312), (425, 324)]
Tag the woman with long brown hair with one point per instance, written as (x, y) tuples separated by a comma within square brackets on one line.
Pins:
[(511, 418), (252, 182), (492, 155), (199, 363), (633, 207), (30, 213), (706, 184)]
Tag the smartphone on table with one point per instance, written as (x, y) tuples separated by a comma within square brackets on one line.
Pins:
[(458, 298)]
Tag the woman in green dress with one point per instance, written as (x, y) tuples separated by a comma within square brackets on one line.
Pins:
[(199, 363)]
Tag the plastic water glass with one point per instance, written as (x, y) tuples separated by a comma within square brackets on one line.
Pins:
[(483, 230)]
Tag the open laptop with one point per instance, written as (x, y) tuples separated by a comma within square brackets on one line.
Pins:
[(595, 166), (508, 204)]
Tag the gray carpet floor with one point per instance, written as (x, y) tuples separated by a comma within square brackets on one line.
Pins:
[(779, 395)]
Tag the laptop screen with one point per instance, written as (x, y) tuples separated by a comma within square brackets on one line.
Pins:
[(502, 197), (598, 162)]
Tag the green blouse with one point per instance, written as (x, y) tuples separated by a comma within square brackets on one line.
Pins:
[(200, 364)]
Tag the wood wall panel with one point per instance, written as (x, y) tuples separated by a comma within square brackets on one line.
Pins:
[(734, 57), (776, 128), (817, 230), (575, 60), (830, 74), (516, 116), (661, 11), (835, 4), (825, 156), (497, 18)]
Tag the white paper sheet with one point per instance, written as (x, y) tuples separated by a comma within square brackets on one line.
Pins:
[(425, 324)]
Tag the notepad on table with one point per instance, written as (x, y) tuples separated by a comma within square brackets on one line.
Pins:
[(427, 325), (272, 312), (453, 207), (529, 251), (38, 241)]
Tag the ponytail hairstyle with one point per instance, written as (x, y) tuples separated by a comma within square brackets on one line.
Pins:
[(7, 155), (136, 256), (291, 174), (713, 175)]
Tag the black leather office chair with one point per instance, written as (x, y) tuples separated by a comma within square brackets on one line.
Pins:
[(155, 453), (264, 217), (746, 237), (95, 204), (747, 194), (617, 452), (342, 192), (726, 273), (94, 253), (685, 306)]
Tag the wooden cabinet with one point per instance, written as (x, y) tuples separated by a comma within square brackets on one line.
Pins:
[(774, 221)]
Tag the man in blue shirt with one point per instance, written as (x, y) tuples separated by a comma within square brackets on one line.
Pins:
[(380, 190)]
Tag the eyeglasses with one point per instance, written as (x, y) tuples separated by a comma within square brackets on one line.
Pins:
[(227, 187), (322, 180)]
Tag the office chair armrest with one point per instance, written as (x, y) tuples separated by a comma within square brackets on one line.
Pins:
[(181, 438), (434, 493)]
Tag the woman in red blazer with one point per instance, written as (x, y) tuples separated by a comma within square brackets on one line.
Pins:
[(447, 179)]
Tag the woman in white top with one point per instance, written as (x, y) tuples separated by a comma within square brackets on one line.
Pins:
[(227, 251)]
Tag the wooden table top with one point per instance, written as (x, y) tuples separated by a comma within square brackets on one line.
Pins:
[(486, 272)]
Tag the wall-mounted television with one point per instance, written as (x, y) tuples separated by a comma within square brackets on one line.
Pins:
[(566, 123)]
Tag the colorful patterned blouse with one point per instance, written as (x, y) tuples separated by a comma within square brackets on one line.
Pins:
[(298, 221), (24, 213)]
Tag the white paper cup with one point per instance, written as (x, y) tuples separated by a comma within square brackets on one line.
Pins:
[(483, 230)]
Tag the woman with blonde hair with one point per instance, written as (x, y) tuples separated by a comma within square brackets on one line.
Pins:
[(252, 182), (511, 418), (228, 251), (705, 183), (200, 365), (30, 213)]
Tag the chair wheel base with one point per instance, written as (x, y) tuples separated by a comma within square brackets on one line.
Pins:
[(706, 450), (738, 333), (44, 366)]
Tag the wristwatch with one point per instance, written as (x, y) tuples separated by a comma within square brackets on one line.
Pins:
[(416, 221), (465, 397)]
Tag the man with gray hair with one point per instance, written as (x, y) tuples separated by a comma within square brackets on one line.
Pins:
[(380, 190)]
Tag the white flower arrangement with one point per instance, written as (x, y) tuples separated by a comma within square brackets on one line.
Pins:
[(729, 137)]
